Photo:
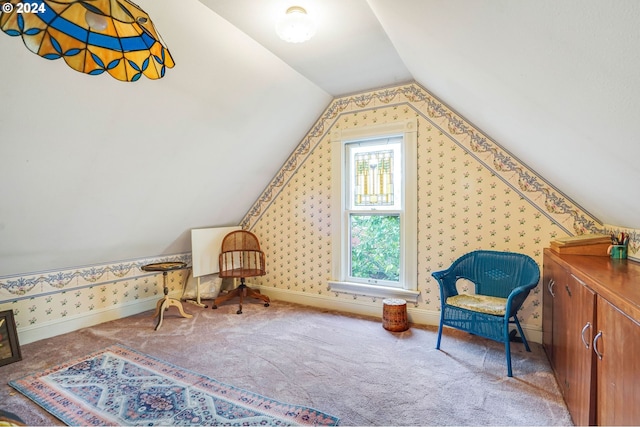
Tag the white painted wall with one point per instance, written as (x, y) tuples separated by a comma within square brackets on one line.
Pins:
[(96, 170), (554, 82)]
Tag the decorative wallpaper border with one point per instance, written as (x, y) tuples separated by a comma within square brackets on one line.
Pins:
[(558, 207), (483, 198), (17, 287)]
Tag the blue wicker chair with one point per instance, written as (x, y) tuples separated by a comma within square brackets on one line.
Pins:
[(502, 281)]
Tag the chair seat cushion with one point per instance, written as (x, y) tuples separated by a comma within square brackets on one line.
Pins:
[(480, 303)]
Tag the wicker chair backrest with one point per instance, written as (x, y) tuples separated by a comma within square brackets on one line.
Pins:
[(240, 240), (497, 273), (240, 255)]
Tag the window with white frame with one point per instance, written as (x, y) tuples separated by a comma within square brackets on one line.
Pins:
[(374, 223)]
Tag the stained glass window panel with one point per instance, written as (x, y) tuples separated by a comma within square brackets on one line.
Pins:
[(375, 174), (373, 178)]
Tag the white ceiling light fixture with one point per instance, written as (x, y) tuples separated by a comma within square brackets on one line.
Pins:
[(296, 26)]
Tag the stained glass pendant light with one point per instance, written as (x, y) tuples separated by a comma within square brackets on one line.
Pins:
[(92, 36)]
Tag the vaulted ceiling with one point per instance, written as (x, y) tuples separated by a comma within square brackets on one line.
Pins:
[(95, 170)]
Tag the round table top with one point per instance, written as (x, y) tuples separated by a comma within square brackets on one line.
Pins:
[(164, 266)]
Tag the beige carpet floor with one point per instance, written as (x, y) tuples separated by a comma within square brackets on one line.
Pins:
[(346, 365)]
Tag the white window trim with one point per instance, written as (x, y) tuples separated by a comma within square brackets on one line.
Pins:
[(408, 289)]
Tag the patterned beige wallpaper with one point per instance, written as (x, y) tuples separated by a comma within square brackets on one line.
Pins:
[(471, 195), (87, 295)]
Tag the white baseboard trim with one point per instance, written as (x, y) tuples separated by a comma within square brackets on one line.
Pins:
[(369, 308), (29, 334), (356, 306)]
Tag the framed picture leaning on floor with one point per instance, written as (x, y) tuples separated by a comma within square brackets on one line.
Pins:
[(9, 346)]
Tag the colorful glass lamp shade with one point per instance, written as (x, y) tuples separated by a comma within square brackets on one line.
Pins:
[(92, 36)]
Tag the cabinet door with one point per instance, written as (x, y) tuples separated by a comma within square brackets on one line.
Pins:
[(617, 345), (551, 270), (579, 374), (573, 319), (553, 273), (562, 304)]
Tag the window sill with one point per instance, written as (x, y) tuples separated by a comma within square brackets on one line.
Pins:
[(374, 291)]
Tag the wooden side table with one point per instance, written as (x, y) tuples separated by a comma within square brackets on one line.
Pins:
[(166, 302)]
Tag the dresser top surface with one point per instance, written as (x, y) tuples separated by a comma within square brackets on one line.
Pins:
[(617, 280)]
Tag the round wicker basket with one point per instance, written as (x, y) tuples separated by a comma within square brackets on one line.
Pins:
[(394, 315)]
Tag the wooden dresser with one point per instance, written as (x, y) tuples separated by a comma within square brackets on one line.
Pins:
[(591, 333)]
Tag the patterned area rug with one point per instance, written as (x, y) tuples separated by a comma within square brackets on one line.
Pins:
[(120, 386)]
